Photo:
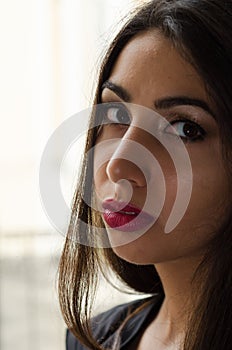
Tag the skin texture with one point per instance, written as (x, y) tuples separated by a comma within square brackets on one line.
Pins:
[(149, 68)]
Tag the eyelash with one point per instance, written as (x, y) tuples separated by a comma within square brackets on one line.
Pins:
[(179, 118), (193, 122), (116, 105)]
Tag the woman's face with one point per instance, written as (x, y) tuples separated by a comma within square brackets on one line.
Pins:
[(149, 72)]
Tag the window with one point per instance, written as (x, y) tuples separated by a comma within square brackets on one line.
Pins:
[(49, 50)]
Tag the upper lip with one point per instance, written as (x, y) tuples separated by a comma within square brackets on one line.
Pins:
[(116, 206)]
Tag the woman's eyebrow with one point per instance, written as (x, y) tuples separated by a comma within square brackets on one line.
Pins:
[(168, 102), (163, 103), (117, 89)]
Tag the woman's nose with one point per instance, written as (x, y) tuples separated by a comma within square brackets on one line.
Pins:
[(128, 163)]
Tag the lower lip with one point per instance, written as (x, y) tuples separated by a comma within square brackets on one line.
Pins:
[(126, 222)]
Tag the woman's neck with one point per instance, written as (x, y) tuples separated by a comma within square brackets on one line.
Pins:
[(167, 330)]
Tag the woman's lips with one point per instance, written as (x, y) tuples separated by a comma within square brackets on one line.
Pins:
[(125, 217)]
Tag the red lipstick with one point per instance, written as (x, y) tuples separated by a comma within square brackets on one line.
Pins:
[(125, 217)]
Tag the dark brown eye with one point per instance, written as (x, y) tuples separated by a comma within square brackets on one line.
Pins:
[(116, 114), (186, 129)]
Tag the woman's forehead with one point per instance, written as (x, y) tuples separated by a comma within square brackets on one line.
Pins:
[(150, 64)]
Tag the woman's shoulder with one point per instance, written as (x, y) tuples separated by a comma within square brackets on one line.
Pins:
[(106, 324)]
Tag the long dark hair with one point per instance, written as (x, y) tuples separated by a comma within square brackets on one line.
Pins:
[(201, 30)]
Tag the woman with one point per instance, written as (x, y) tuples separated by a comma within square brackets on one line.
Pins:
[(174, 58)]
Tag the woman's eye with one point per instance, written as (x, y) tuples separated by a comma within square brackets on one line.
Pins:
[(117, 115), (186, 129)]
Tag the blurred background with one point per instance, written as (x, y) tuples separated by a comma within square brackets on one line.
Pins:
[(49, 54)]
